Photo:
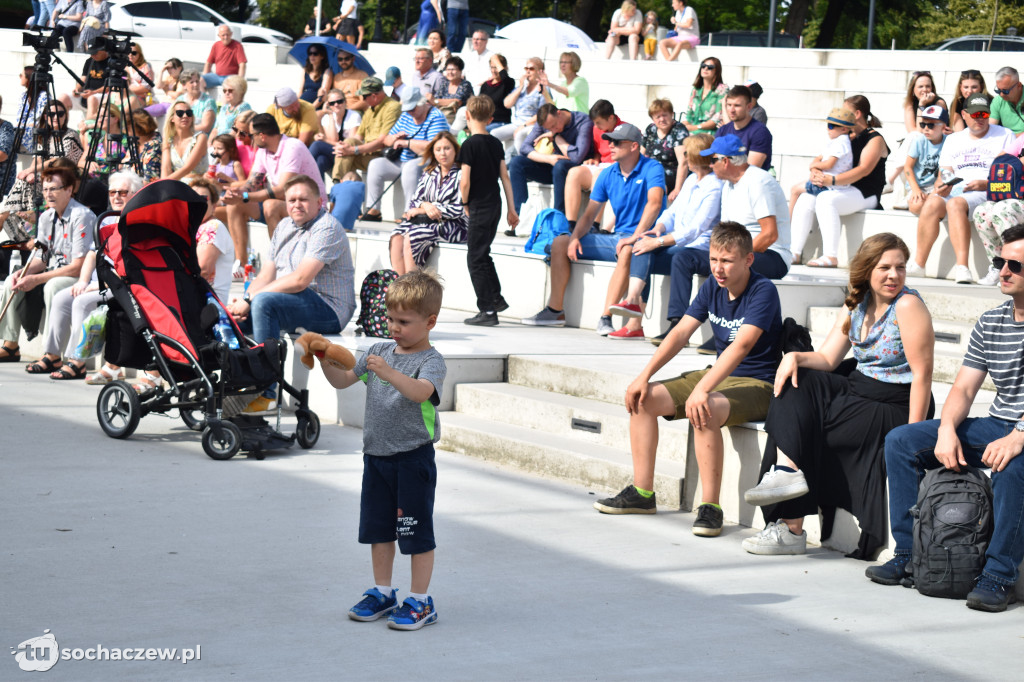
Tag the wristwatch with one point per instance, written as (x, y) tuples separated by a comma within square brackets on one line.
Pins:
[(247, 298), (661, 241), (245, 197), (1019, 426)]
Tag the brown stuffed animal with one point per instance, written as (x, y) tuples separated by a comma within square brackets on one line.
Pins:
[(312, 344)]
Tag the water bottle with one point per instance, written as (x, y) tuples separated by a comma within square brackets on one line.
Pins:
[(223, 329)]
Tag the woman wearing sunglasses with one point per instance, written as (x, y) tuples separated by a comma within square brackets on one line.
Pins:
[(704, 112), (233, 90), (184, 149), (317, 77), (201, 104), (337, 123), (971, 82)]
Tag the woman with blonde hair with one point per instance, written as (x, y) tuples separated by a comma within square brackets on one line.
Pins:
[(826, 429), (625, 29), (529, 96), (435, 212), (184, 147), (572, 91), (233, 90)]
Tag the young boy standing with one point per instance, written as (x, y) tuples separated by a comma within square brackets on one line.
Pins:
[(403, 388), (746, 320), (483, 163)]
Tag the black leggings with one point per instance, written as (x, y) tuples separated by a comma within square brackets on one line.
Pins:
[(68, 33)]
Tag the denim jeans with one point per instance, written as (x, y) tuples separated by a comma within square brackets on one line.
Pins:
[(597, 245), (521, 170), (690, 262), (323, 154), (45, 15), (458, 26), (656, 262), (910, 451), (273, 311), (212, 80)]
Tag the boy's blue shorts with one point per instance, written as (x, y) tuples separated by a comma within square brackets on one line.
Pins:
[(397, 500)]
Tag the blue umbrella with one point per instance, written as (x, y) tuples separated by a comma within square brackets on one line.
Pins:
[(333, 46)]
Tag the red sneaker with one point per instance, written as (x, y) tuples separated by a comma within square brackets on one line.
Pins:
[(627, 334), (626, 309)]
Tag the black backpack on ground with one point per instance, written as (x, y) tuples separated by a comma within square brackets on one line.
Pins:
[(952, 529)]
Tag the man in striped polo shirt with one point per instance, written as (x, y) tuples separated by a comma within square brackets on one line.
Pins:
[(996, 348)]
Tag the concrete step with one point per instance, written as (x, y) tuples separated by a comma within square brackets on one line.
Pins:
[(606, 469), (585, 420)]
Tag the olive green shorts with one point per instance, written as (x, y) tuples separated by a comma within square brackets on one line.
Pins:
[(748, 398)]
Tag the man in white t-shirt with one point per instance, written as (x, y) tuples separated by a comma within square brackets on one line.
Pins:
[(478, 61), (966, 156)]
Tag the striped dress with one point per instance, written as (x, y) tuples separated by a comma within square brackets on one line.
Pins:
[(443, 192)]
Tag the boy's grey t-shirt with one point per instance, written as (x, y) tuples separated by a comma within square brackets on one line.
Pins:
[(392, 423)]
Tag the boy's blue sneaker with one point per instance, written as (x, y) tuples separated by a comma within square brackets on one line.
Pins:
[(413, 614), (373, 605)]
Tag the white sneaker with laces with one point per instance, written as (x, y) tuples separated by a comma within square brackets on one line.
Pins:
[(604, 326), (962, 274), (914, 270), (777, 486), (991, 279), (777, 539)]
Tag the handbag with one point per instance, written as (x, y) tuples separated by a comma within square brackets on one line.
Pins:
[(393, 155)]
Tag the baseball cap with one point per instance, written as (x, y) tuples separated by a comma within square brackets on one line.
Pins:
[(976, 103), (412, 98), (841, 117), (936, 113), (726, 145), (285, 97), (390, 75), (624, 131), (370, 86)]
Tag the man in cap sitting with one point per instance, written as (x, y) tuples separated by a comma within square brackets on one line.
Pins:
[(295, 118)]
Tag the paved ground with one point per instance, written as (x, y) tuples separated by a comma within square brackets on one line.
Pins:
[(149, 543)]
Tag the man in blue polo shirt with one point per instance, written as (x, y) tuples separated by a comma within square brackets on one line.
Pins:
[(635, 186), (754, 135)]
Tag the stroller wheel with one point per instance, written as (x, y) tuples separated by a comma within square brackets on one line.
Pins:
[(308, 430), (224, 446), (194, 418), (118, 409)]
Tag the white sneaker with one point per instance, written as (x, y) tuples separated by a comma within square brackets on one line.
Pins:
[(604, 325), (914, 270), (961, 274), (777, 486), (887, 188), (991, 279), (776, 539)]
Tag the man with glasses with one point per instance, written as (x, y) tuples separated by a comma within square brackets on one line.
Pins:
[(380, 113), (227, 58), (634, 185), (1006, 105), (477, 58), (961, 187), (66, 231), (956, 440), (278, 159), (750, 197), (295, 117), (424, 76), (349, 79)]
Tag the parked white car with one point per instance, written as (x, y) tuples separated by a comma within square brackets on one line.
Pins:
[(183, 20)]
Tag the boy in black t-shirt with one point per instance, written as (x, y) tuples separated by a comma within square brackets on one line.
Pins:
[(483, 163)]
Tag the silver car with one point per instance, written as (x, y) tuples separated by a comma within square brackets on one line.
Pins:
[(183, 20)]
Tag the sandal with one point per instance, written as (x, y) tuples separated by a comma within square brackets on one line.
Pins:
[(44, 365), (824, 262), (104, 376), (10, 354), (69, 372), (147, 383)]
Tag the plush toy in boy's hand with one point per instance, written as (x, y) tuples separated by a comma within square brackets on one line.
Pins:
[(312, 344)]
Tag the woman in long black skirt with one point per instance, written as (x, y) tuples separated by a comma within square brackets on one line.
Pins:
[(827, 431)]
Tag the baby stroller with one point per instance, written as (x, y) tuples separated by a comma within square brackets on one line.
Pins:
[(159, 317)]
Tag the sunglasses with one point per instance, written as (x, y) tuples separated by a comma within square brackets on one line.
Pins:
[(227, 90), (916, 74), (707, 67), (315, 54), (335, 102), (236, 131), (529, 68), (927, 126), (135, 53), (970, 73), (979, 114), (184, 113), (716, 158), (1006, 91), (1013, 265), (117, 192), (833, 126), (345, 58)]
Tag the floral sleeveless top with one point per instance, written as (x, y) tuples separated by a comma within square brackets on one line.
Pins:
[(880, 355)]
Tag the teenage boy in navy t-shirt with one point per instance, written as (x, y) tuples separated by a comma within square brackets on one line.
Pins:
[(746, 320)]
